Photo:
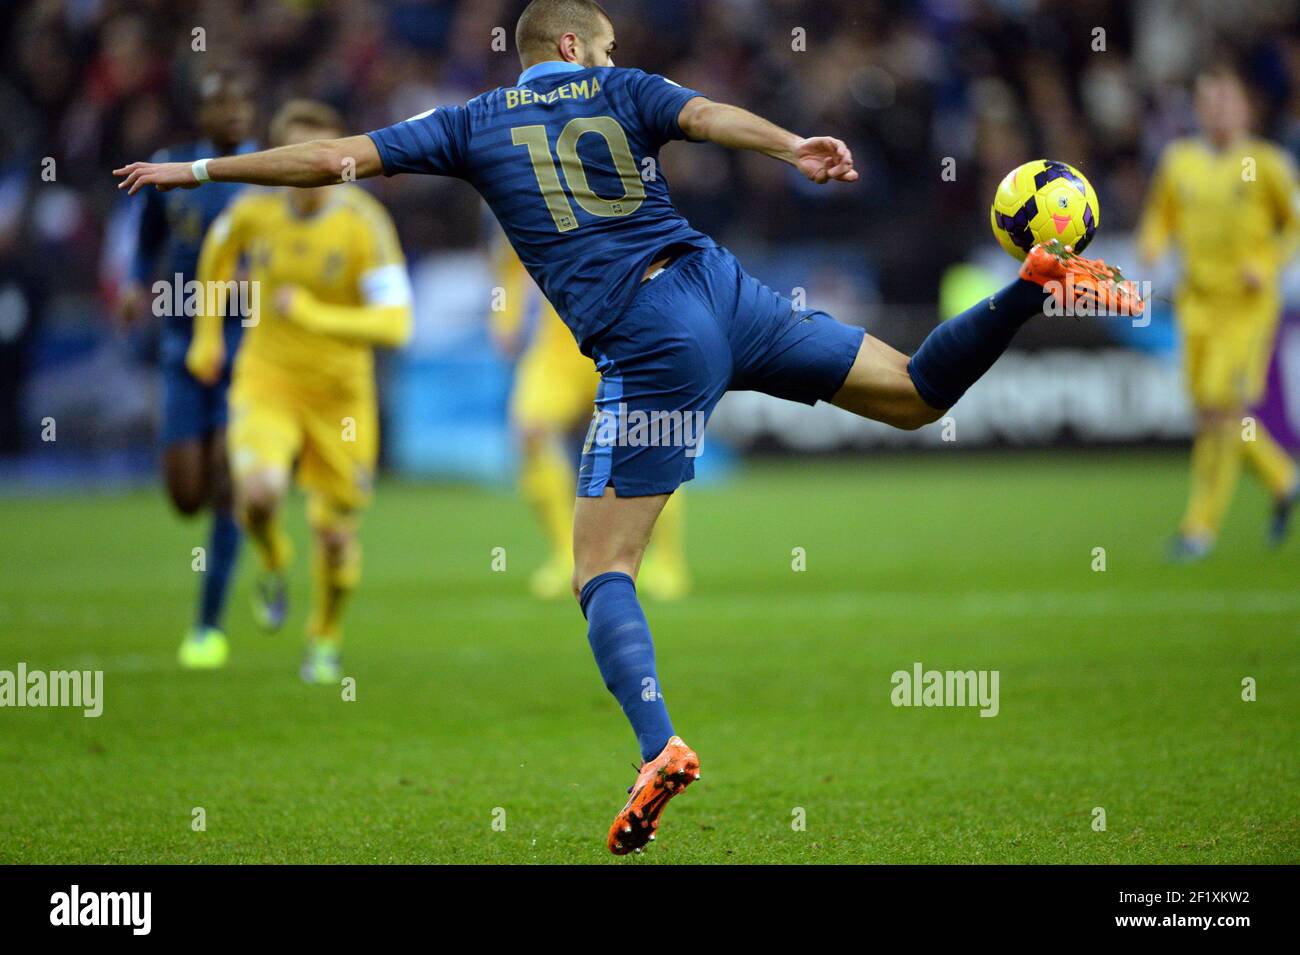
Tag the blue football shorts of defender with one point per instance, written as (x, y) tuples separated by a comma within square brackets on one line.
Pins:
[(191, 410)]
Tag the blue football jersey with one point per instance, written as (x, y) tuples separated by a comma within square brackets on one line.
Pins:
[(568, 161), (170, 226)]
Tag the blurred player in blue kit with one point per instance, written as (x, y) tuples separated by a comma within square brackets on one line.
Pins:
[(168, 232)]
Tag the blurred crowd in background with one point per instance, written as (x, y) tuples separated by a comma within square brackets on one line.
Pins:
[(1102, 84)]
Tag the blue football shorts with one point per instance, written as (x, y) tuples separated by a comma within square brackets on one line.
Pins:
[(192, 410), (700, 328)]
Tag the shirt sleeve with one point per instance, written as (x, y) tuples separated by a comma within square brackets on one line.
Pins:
[(383, 279), (1157, 222), (659, 102), (1285, 198), (222, 245), (431, 143)]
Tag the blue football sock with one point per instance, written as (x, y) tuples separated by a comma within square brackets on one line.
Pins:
[(223, 548), (959, 351), (620, 640)]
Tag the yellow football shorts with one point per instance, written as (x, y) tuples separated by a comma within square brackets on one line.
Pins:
[(334, 440), (554, 387), (1226, 351)]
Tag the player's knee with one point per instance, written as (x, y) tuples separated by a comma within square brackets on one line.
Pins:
[(584, 571), (258, 500), (187, 494), (532, 439), (917, 414), (186, 502), (1213, 419), (336, 544)]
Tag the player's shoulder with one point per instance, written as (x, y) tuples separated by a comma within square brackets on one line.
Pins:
[(362, 210), (258, 198), (631, 78), (254, 203), (1182, 149), (1268, 153)]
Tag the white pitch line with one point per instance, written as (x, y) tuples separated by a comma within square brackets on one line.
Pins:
[(846, 603)]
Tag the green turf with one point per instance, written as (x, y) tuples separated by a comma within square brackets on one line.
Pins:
[(1119, 690)]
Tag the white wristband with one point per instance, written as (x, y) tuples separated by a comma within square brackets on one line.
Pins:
[(200, 170)]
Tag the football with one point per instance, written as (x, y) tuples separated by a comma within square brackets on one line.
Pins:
[(1041, 200)]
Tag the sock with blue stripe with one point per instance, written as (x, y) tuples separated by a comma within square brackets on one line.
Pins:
[(223, 548), (620, 640), (959, 351)]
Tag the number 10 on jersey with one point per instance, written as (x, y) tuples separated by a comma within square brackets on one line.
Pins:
[(575, 174)]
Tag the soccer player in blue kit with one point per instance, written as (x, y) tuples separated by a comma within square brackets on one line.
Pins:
[(670, 318), (168, 232)]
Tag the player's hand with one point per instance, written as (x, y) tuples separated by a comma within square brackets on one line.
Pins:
[(160, 175), (285, 301), (205, 359), (823, 158), (130, 306)]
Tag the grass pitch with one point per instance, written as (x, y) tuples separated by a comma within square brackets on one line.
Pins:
[(1119, 689)]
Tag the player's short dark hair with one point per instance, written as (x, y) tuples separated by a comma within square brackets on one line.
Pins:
[(545, 21), (305, 112), (1224, 66)]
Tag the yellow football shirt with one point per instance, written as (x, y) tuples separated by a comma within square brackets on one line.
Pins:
[(340, 255), (1226, 211)]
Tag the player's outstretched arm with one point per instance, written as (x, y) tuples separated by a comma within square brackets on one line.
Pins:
[(321, 162), (385, 325), (821, 158)]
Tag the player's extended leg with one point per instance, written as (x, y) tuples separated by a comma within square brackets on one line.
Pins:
[(191, 486), (223, 538), (880, 387), (336, 571), (259, 495), (883, 384), (195, 474), (610, 534)]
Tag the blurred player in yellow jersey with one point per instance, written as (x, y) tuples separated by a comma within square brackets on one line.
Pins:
[(554, 392), (331, 286), (1227, 201)]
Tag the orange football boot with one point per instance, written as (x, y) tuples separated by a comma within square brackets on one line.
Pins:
[(659, 780), (1079, 285)]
